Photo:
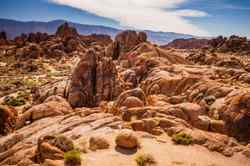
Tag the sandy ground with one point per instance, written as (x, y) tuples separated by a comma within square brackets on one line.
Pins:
[(165, 152)]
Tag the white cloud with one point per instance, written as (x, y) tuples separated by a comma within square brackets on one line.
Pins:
[(158, 15), (190, 13)]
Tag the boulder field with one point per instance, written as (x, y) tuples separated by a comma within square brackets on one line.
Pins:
[(123, 97)]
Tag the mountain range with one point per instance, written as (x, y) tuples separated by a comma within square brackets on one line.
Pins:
[(14, 28)]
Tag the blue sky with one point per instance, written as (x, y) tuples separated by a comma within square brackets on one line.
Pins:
[(198, 17)]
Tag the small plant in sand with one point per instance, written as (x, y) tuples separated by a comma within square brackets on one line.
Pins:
[(145, 159), (210, 99), (72, 158), (14, 101), (182, 138)]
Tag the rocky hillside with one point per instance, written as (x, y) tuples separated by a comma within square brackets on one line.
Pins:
[(71, 99), (15, 28), (220, 44), (191, 43)]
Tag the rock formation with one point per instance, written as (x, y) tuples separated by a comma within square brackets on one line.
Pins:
[(231, 44), (3, 38), (124, 42), (110, 99), (188, 43), (66, 31), (93, 80), (8, 120)]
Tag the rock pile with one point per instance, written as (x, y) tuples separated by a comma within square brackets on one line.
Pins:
[(231, 44), (130, 91)]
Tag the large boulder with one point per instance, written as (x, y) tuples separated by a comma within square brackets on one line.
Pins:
[(93, 80), (98, 142), (52, 147), (8, 118), (124, 42), (52, 106), (129, 39), (162, 82), (235, 112), (127, 139), (131, 98)]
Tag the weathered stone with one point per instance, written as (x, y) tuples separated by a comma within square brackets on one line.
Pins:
[(8, 118), (93, 80), (127, 139), (52, 147), (98, 142)]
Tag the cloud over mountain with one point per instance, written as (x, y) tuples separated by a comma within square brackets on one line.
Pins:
[(157, 15)]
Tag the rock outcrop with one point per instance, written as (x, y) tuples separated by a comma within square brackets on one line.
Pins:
[(231, 44), (127, 139), (66, 31), (88, 94), (188, 43), (129, 39), (235, 113), (52, 147), (93, 80), (98, 142), (52, 106), (8, 118), (3, 38), (97, 39), (124, 42)]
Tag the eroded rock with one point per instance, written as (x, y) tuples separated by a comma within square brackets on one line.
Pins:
[(8, 118), (127, 139), (93, 80)]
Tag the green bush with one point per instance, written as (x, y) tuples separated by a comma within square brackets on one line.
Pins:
[(14, 101), (182, 138), (72, 158), (29, 83), (210, 99), (145, 160)]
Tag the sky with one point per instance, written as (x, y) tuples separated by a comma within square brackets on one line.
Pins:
[(196, 17)]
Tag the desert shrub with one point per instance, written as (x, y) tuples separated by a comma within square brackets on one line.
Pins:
[(72, 158), (14, 101), (19, 100), (210, 99), (54, 74), (145, 160), (182, 138)]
